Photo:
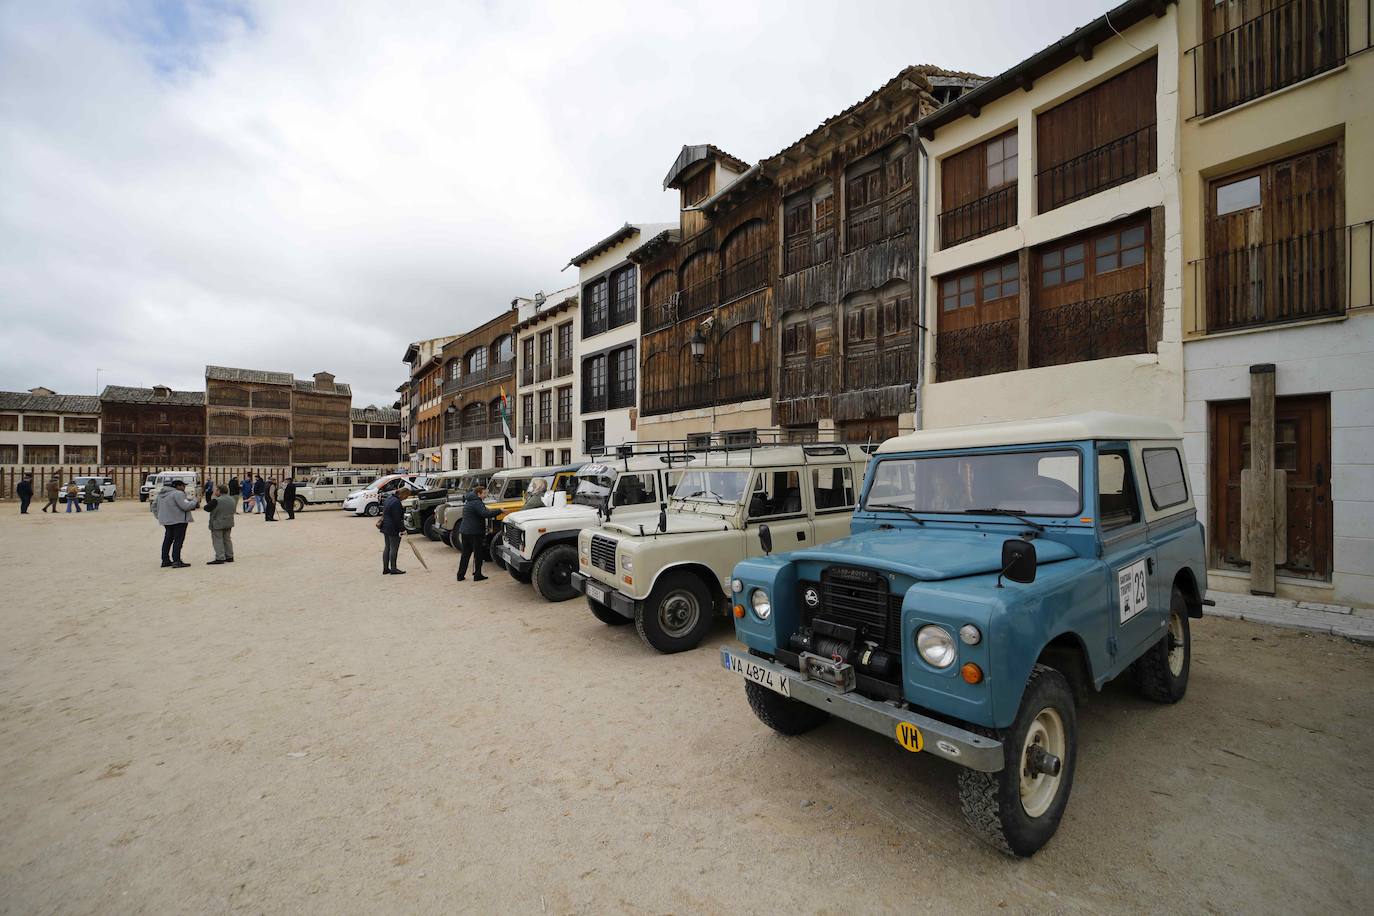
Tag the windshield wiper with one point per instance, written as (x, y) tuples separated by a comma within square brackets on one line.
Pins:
[(719, 501), (909, 513), (1014, 513)]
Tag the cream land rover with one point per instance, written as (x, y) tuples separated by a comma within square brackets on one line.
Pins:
[(670, 572)]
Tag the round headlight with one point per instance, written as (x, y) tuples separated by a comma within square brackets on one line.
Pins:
[(626, 563), (759, 599), (936, 646), (970, 635), (736, 586)]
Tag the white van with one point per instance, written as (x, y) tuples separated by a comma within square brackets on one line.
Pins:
[(331, 487), (156, 481)]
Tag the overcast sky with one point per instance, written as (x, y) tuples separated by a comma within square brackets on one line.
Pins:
[(299, 186)]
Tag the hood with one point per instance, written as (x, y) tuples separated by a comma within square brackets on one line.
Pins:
[(546, 514), (925, 555), (678, 523)]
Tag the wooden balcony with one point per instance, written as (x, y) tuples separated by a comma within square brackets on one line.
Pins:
[(809, 379), (745, 276), (698, 298), (886, 366), (1118, 161)]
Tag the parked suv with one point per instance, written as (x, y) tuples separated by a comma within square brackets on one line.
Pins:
[(671, 574), (332, 486), (540, 545), (154, 482), (107, 487), (433, 492), (506, 493), (993, 573), (448, 515), (368, 500)]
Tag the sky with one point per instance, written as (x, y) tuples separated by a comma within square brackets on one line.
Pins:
[(303, 186)]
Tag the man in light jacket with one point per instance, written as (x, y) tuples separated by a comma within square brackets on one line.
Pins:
[(221, 511), (174, 510)]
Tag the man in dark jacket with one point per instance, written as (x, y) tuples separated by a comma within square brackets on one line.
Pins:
[(392, 525), (472, 531), (234, 486), (288, 498), (25, 493), (259, 493), (269, 493)]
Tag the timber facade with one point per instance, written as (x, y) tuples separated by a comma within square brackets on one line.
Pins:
[(248, 416), (153, 427), (478, 369)]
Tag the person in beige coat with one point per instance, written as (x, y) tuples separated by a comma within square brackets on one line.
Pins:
[(221, 511)]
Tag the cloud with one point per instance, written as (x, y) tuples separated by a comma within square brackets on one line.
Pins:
[(301, 186)]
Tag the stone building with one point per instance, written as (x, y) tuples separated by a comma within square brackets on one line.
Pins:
[(546, 349), (39, 426)]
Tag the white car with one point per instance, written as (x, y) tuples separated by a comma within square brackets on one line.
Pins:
[(368, 501), (107, 488), (155, 482)]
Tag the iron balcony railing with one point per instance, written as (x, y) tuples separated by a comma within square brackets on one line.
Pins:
[(745, 276), (698, 298), (527, 373), (593, 401), (543, 431), (563, 367), (980, 217), (545, 371), (491, 373), (1115, 162), (527, 432), (620, 398), (658, 315), (1317, 274), (594, 324), (983, 349), (1281, 46), (562, 429), (1099, 328), (458, 432)]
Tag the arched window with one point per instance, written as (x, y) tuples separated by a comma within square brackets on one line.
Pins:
[(744, 260), (658, 298), (475, 360), (502, 350), (271, 426), (660, 381), (227, 453), (697, 283), (494, 411), (474, 414), (743, 362)]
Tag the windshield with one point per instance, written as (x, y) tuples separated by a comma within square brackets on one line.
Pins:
[(712, 486), (1033, 483), (593, 488)]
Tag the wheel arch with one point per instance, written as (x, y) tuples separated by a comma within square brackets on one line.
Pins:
[(553, 538), (697, 569), (1187, 583), (1068, 654)]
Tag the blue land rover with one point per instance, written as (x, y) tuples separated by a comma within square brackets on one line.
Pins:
[(992, 574)]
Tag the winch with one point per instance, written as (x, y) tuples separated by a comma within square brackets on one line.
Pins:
[(841, 643)]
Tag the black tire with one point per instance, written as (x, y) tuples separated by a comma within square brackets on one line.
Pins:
[(143, 497), (493, 553), (373, 509), (607, 616), (677, 615), (429, 527), (782, 714), (446, 537), (993, 803), (1161, 674), (523, 579), (552, 572), (299, 504)]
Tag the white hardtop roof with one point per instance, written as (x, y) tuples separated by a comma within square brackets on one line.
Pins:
[(1078, 427), (771, 456), (650, 461)]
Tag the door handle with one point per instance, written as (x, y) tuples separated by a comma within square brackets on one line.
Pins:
[(801, 535), (1150, 565)]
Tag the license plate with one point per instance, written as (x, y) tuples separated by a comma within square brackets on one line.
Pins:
[(753, 671), (596, 593)]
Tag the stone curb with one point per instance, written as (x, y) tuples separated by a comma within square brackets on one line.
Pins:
[(1333, 620)]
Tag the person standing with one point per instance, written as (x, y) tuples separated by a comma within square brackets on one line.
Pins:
[(288, 498), (53, 490), (73, 497), (234, 486), (247, 492), (24, 490), (269, 493), (472, 532), (392, 526), (221, 509), (174, 510), (90, 495), (259, 493), (209, 490)]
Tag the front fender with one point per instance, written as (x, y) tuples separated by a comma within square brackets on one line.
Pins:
[(778, 577)]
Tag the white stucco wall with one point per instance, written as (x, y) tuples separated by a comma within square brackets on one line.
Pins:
[(62, 438), (1148, 383), (550, 322)]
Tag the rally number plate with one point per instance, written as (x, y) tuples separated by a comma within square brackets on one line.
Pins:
[(752, 671)]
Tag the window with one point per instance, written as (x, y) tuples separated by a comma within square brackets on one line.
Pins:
[(545, 348), (79, 424), (1122, 248), (40, 424), (596, 308), (454, 461), (832, 489), (1000, 156), (863, 200), (498, 456), (9, 422), (776, 493), (623, 379), (565, 342), (565, 456), (564, 405), (1238, 195), (393, 432), (593, 436), (527, 361), (1001, 281), (455, 370), (526, 414), (1063, 264), (545, 409), (594, 383), (622, 296), (1164, 477), (634, 490), (359, 430), (474, 458), (959, 292), (548, 457), (494, 413), (376, 431), (80, 454), (527, 461), (502, 349), (476, 360), (697, 188), (1116, 501), (39, 454)]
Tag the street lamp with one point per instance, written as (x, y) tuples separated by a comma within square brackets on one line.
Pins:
[(698, 345)]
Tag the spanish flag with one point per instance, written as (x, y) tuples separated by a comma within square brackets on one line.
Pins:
[(505, 421)]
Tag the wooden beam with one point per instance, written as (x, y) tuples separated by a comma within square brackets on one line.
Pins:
[(927, 132), (1159, 7), (856, 122), (1026, 82), (1084, 49), (1258, 520), (972, 110)]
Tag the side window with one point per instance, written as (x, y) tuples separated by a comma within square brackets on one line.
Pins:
[(327, 481), (635, 490), (832, 488), (776, 493), (1117, 504), (1164, 477)]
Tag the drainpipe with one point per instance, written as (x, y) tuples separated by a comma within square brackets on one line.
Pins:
[(923, 189)]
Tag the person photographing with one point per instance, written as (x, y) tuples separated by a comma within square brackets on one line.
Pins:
[(392, 525)]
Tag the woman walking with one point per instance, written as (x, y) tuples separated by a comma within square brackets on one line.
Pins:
[(472, 532)]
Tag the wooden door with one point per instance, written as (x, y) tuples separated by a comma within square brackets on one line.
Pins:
[(1302, 448)]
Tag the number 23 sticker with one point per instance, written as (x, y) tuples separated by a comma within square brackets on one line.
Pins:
[(1132, 587)]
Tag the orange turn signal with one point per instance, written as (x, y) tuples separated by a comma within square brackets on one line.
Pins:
[(629, 580), (582, 560), (972, 673), (739, 610)]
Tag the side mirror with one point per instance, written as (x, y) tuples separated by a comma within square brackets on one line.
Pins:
[(765, 539), (1018, 561)]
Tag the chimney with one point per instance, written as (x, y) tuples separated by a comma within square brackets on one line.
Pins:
[(162, 392), (40, 390), (324, 381)]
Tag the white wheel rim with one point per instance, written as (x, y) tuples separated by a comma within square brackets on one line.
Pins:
[(1038, 790), (1178, 652)]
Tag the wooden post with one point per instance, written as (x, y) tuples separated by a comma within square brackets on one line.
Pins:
[(1258, 521)]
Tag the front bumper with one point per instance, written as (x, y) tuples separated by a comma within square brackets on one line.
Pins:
[(617, 601), (512, 558), (955, 744)]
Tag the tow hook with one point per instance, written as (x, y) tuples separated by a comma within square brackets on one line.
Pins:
[(1039, 760)]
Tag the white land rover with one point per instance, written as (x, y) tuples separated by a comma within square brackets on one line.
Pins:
[(540, 545), (671, 576), (332, 486)]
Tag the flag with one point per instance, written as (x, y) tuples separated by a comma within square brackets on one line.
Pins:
[(505, 421)]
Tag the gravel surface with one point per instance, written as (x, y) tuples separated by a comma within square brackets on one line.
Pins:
[(296, 732)]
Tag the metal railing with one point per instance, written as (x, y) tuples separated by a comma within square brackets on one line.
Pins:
[(527, 432), (744, 276), (983, 349), (1075, 332), (659, 315), (980, 217), (1115, 162), (543, 431), (527, 373), (458, 432), (1314, 275), (562, 429), (698, 298), (563, 367), (620, 398), (545, 371), (1292, 42), (593, 401), (504, 369)]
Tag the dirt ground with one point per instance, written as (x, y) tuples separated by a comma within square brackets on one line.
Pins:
[(297, 733)]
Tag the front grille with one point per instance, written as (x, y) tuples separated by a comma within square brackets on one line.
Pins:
[(515, 537), (858, 598), (603, 553)]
